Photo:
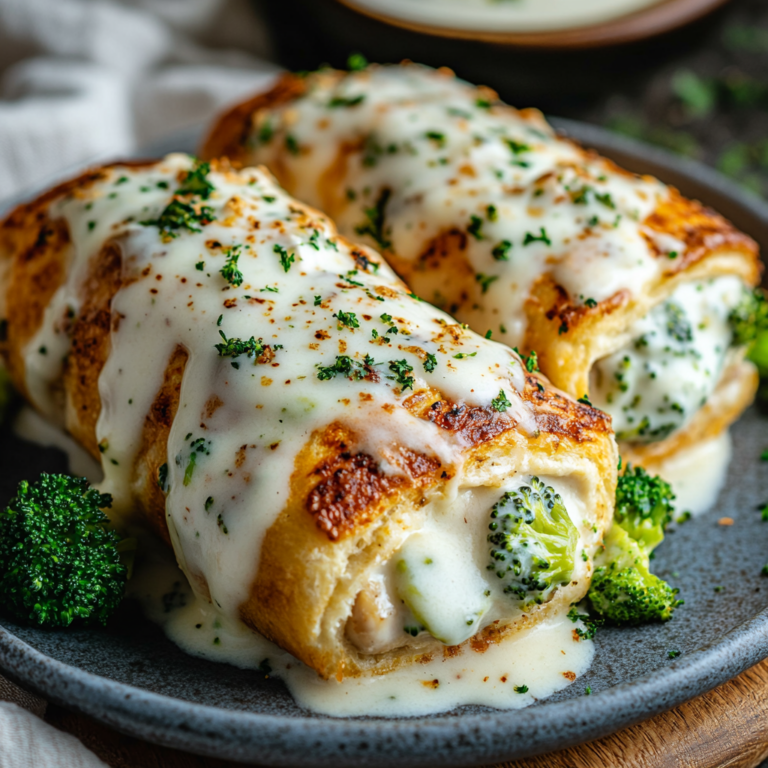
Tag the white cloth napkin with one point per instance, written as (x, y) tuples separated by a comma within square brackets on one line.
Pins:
[(83, 81), (86, 80)]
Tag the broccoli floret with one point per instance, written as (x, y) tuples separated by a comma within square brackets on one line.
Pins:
[(623, 590), (644, 506), (534, 542), (749, 318), (59, 557), (749, 322)]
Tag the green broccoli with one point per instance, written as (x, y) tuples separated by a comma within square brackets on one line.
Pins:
[(534, 542), (60, 560), (623, 590), (644, 506), (749, 321), (749, 318)]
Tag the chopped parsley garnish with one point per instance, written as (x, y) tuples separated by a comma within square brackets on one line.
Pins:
[(387, 320), (291, 144), (265, 132), (485, 280), (500, 403), (286, 259), (198, 446), (346, 101), (584, 400), (437, 137), (673, 654), (521, 689), (200, 266), (500, 252), (531, 362), (235, 347), (347, 318), (475, 227), (483, 103), (196, 182), (591, 303), (208, 503), (356, 62), (318, 301), (606, 199), (375, 224), (269, 289), (229, 271), (345, 366), (517, 147), (402, 372), (462, 355), (591, 625), (349, 279), (540, 238), (180, 215), (430, 363)]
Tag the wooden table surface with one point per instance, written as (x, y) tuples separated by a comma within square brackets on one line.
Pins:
[(725, 727)]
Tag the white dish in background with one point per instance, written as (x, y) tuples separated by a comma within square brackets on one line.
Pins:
[(522, 16)]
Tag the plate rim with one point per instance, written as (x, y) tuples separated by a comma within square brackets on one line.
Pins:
[(646, 23), (274, 739)]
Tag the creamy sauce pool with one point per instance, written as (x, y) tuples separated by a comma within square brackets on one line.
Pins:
[(505, 16), (697, 474), (544, 659)]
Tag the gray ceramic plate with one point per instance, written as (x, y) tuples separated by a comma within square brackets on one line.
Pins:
[(133, 679)]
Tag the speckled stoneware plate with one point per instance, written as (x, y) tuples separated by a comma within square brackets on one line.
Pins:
[(132, 678)]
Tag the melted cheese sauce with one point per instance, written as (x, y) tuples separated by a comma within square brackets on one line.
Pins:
[(543, 659), (698, 474), (672, 364), (505, 15), (527, 201)]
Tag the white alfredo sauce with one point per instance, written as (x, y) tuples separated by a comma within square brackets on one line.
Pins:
[(498, 16), (672, 363), (543, 659), (454, 159), (315, 304)]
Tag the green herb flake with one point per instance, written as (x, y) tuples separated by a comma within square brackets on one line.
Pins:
[(356, 62), (542, 237), (485, 280), (501, 251), (346, 101), (402, 371), (286, 258), (475, 227), (374, 226), (229, 271), (348, 319), (500, 403)]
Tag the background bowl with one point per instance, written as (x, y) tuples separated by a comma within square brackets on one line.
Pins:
[(656, 19)]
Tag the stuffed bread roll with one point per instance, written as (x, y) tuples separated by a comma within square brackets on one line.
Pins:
[(623, 287), (336, 463)]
